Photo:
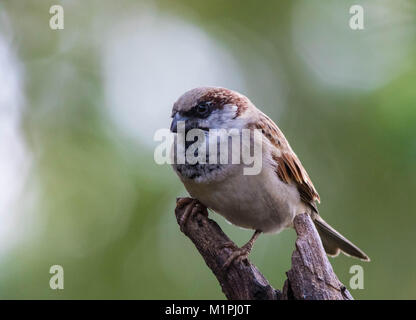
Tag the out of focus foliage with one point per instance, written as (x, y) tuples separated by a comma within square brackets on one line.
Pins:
[(79, 108)]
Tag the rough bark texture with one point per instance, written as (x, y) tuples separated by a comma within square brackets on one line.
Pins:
[(311, 276)]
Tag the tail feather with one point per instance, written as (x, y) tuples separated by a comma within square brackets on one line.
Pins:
[(334, 242)]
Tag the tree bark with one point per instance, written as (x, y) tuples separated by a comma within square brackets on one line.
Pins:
[(311, 276)]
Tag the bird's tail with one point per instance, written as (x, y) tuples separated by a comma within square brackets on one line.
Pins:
[(333, 241)]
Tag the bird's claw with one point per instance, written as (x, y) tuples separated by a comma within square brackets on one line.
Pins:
[(238, 255), (229, 245), (193, 206), (181, 202)]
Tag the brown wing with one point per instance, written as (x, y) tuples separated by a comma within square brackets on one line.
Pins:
[(289, 168)]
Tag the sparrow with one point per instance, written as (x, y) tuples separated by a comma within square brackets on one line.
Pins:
[(266, 202)]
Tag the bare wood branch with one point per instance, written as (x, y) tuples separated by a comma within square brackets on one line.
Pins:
[(311, 275), (241, 281)]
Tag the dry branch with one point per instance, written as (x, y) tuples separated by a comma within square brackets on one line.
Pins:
[(311, 276)]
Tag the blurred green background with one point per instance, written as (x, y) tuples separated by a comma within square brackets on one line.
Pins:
[(79, 108)]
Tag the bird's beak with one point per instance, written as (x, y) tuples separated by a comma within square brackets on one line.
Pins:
[(177, 118)]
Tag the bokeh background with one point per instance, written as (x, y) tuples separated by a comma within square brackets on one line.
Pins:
[(79, 107)]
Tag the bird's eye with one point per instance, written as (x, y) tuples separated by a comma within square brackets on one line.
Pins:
[(202, 109)]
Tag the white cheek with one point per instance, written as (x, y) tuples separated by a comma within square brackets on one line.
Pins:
[(231, 108), (224, 119)]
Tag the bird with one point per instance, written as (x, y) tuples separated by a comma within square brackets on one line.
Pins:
[(266, 202)]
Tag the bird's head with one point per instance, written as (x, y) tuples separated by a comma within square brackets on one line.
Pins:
[(208, 108)]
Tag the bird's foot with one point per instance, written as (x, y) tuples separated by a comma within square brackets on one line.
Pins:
[(238, 254), (229, 245), (181, 202), (193, 206)]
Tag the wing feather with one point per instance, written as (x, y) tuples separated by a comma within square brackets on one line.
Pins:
[(289, 168)]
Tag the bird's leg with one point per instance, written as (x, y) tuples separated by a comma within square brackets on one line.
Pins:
[(193, 206), (240, 253)]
